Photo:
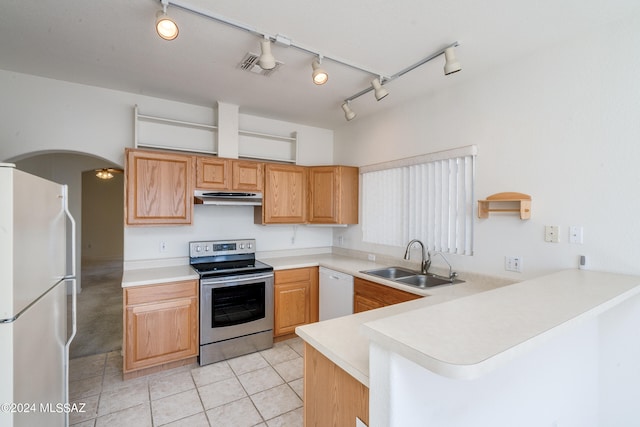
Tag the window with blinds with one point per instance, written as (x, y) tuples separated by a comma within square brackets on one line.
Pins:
[(428, 197)]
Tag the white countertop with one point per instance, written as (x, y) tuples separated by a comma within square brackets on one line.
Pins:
[(468, 337), (150, 276)]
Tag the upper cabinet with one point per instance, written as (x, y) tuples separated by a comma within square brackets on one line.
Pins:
[(214, 173), (159, 187), (246, 175), (334, 195), (285, 195)]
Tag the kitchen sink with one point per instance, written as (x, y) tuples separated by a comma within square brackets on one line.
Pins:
[(427, 281), (411, 277), (391, 273)]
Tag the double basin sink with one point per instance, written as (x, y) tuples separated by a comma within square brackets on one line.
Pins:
[(411, 277)]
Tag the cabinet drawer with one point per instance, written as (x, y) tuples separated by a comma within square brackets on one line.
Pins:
[(384, 294), (295, 275), (155, 293)]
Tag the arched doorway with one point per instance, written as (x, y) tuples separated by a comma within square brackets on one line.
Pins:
[(97, 206)]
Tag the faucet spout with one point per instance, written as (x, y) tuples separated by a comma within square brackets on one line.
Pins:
[(426, 256)]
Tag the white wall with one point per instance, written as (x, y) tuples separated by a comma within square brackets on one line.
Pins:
[(51, 115), (562, 125)]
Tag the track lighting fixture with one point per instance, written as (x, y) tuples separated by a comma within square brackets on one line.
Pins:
[(168, 30), (319, 75), (348, 112), (165, 26), (379, 91), (266, 61), (451, 64)]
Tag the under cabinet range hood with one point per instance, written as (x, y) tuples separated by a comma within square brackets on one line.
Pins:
[(228, 198)]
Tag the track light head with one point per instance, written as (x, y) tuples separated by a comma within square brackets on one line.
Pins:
[(451, 64), (378, 90), (348, 112), (319, 75), (266, 61), (166, 27)]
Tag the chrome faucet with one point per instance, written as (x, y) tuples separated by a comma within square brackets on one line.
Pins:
[(426, 256), (452, 274)]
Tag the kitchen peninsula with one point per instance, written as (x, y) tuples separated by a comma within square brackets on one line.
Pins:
[(492, 357)]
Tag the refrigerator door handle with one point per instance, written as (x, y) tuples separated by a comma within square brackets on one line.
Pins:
[(65, 197), (74, 329)]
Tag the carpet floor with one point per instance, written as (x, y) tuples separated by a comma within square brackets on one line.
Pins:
[(99, 317)]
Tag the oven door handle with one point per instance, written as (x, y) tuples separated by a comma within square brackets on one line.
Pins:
[(233, 279)]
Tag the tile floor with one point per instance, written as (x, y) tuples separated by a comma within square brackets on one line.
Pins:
[(260, 389)]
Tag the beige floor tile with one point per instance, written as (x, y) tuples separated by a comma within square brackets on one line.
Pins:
[(88, 366), (176, 407), (115, 382), (172, 384), (240, 413), (90, 410), (279, 353), (138, 416), (117, 400), (290, 419), (297, 344), (114, 363), (276, 401), (262, 379), (291, 369), (197, 420), (90, 423), (298, 387), (211, 373), (85, 387), (221, 392), (247, 363)]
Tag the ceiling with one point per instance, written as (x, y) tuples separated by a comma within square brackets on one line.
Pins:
[(113, 44)]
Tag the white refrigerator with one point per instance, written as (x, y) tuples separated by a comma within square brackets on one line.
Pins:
[(35, 226)]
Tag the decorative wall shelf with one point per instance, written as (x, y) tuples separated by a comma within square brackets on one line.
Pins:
[(506, 202)]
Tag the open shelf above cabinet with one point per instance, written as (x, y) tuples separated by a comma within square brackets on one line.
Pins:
[(506, 202)]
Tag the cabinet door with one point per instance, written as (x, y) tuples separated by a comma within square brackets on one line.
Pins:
[(292, 303), (159, 188), (362, 303), (247, 175), (212, 173), (334, 195), (285, 194), (160, 324), (323, 184)]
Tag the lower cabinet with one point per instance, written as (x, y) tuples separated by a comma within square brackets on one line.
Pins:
[(369, 295), (332, 397), (160, 324), (295, 299)]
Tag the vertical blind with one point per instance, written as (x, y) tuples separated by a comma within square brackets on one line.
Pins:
[(428, 197)]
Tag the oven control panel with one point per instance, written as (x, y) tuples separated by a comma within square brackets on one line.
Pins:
[(221, 247)]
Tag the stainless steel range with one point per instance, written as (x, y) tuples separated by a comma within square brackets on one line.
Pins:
[(236, 299)]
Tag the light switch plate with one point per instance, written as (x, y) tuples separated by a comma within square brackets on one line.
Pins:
[(551, 234)]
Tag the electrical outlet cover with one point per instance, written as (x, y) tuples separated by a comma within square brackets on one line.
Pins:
[(551, 234)]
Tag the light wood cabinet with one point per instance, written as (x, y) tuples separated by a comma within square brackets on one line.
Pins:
[(160, 324), (213, 173), (285, 195), (332, 397), (247, 175), (159, 188), (295, 299), (369, 295), (334, 195)]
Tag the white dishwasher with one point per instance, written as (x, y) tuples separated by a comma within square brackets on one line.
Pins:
[(336, 294)]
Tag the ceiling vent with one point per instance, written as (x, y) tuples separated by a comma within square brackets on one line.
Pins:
[(250, 63)]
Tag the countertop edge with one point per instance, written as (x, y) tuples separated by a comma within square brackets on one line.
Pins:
[(482, 367)]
